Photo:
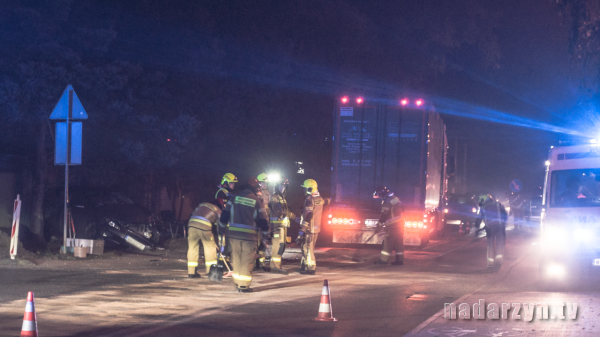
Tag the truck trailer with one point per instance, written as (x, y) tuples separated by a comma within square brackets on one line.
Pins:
[(400, 144)]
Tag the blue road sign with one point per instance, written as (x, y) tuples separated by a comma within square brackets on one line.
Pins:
[(516, 185), (61, 110), (60, 149)]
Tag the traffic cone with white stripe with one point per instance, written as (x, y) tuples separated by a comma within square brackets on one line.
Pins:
[(325, 314), (29, 328)]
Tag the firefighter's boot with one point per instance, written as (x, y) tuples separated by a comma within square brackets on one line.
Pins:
[(195, 274)]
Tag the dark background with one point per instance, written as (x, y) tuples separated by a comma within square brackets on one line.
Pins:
[(180, 92)]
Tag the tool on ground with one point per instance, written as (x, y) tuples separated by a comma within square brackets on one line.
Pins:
[(325, 314), (29, 328)]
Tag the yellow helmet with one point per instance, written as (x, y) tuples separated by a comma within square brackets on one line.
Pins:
[(310, 183), (262, 177), (229, 178)]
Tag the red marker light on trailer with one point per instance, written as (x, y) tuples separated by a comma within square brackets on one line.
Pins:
[(404, 102), (419, 102), (344, 100), (359, 100)]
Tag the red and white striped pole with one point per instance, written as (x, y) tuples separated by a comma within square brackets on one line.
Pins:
[(29, 328), (325, 313), (14, 236)]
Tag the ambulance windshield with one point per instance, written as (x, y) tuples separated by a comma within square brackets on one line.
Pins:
[(575, 188)]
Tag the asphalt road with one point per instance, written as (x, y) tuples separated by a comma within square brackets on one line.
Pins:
[(149, 295)]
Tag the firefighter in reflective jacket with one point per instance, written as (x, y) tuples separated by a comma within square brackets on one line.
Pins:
[(201, 223), (391, 218), (264, 249), (310, 226), (225, 189), (242, 221), (280, 221)]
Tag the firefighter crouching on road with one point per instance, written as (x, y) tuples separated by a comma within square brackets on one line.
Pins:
[(494, 215), (280, 221), (225, 189), (310, 226), (264, 249), (200, 226), (391, 218), (242, 214)]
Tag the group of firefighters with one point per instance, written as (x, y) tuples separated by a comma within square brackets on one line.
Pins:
[(238, 226), (247, 229)]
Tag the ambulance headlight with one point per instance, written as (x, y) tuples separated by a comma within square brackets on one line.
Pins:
[(555, 236), (584, 235)]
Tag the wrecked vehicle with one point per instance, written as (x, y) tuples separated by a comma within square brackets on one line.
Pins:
[(98, 213)]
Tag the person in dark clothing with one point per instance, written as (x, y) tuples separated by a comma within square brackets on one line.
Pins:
[(494, 215)]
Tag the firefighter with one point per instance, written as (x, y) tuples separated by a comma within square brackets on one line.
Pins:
[(494, 215), (280, 221), (200, 228), (264, 249), (310, 226), (391, 219), (225, 189), (242, 221)]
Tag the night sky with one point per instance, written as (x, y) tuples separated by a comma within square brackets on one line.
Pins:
[(234, 86)]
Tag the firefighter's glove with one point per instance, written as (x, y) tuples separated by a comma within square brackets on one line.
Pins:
[(222, 228), (266, 238), (300, 238)]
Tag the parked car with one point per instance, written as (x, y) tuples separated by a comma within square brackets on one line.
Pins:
[(460, 209), (102, 213)]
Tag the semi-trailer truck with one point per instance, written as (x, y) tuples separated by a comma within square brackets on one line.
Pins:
[(400, 144)]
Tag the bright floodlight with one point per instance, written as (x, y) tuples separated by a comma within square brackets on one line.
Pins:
[(594, 141), (345, 99), (419, 102), (274, 177), (359, 100), (404, 102), (556, 270), (547, 163)]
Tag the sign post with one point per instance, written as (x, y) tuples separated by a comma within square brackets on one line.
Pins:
[(14, 236), (67, 150)]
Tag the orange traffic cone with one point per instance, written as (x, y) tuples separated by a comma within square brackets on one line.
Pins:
[(468, 230), (29, 328), (325, 314)]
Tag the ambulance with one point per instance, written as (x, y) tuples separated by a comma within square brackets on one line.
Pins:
[(570, 221)]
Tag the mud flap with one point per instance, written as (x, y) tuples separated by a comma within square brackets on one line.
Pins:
[(358, 236), (412, 239)]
